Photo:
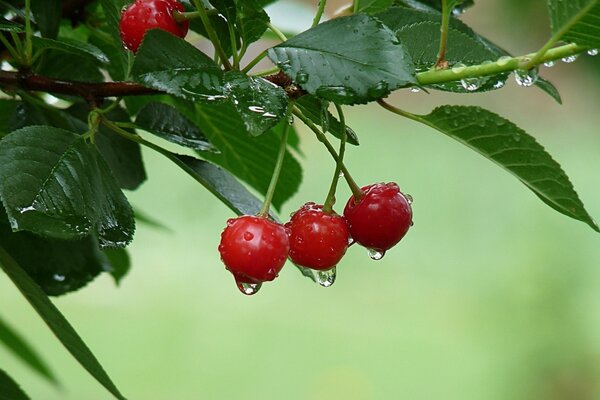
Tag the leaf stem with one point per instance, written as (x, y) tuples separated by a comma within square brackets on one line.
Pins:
[(264, 211), (255, 61), (355, 6), (330, 200), (323, 139), (27, 57), (277, 32), (210, 31), (441, 59), (319, 13), (11, 49)]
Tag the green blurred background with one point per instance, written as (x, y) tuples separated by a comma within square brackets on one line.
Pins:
[(492, 295)]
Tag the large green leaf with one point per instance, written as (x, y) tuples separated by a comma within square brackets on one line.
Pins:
[(54, 183), (513, 149), (250, 159), (70, 46), (172, 65), (374, 6), (57, 323), (60, 65), (9, 389), (366, 65), (576, 21), (47, 14), (24, 351)]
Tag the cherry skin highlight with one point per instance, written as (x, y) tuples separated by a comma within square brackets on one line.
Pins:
[(318, 240), (144, 15), (380, 218), (254, 249)]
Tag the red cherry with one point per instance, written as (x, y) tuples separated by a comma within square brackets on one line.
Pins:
[(254, 249), (144, 15), (380, 218), (318, 240)]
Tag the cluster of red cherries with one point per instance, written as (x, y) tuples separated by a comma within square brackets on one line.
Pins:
[(254, 249)]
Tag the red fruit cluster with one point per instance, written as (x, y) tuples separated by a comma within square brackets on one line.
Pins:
[(254, 249), (144, 15)]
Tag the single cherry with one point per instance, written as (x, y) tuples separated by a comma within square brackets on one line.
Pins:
[(253, 249), (380, 218), (318, 240), (144, 15)]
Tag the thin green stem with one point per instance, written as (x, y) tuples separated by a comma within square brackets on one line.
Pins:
[(330, 200), (18, 44), (185, 16), (277, 32), (264, 211), (323, 139), (28, 35), (212, 35), (255, 61), (267, 71), (234, 50), (319, 13), (11, 49), (402, 113), (355, 6), (441, 59), (503, 64)]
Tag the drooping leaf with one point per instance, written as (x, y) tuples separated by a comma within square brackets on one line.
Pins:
[(67, 46), (47, 14), (57, 323), (549, 88), (52, 182), (316, 110), (120, 263), (368, 64), (168, 123), (513, 149), (576, 21), (16, 344), (171, 64), (9, 389), (250, 159)]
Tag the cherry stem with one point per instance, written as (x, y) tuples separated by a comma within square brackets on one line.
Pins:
[(330, 200), (441, 59), (319, 13), (264, 211), (356, 191)]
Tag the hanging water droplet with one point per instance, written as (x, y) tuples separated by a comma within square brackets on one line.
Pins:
[(569, 59), (341, 174), (471, 84), (412, 223), (499, 85), (302, 77), (592, 52), (549, 64), (350, 241), (248, 288), (376, 254), (408, 198), (415, 89), (325, 278), (291, 120), (526, 78), (59, 277)]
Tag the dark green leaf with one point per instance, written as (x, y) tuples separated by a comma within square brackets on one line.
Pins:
[(7, 110), (70, 46), (110, 41), (252, 21), (366, 65), (24, 351), (6, 25), (428, 5), (316, 110), (52, 182), (549, 88), (47, 14), (60, 65), (56, 322), (168, 123), (510, 147), (171, 64), (28, 113), (250, 159), (576, 21), (9, 389), (120, 263), (374, 6)]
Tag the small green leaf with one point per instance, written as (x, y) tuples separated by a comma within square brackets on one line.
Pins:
[(168, 123), (172, 65), (9, 26), (316, 110), (9, 389), (52, 182), (120, 263), (368, 64), (57, 323), (549, 88), (47, 14), (509, 146), (24, 351), (576, 21), (70, 46)]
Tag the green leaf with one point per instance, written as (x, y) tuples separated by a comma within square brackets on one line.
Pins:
[(7, 110), (316, 110), (172, 65), (70, 46), (250, 159), (9, 26), (549, 88), (374, 6), (9, 389), (24, 351), (428, 5), (509, 146), (47, 14), (366, 65), (110, 41), (252, 21), (120, 263), (576, 21), (57, 323), (260, 103), (168, 123), (60, 65), (52, 182)]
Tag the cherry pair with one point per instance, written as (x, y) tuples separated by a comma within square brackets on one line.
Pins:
[(254, 249)]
